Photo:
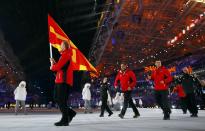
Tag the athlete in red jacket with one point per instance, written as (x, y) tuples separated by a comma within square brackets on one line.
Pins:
[(127, 80), (63, 82), (161, 77), (182, 97)]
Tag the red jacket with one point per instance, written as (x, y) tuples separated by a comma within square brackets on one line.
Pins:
[(161, 74), (180, 91), (127, 79), (64, 71)]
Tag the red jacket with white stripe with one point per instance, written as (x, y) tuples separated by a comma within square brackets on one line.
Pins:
[(63, 68), (127, 79), (161, 74)]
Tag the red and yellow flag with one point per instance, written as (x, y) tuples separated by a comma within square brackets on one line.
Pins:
[(57, 35)]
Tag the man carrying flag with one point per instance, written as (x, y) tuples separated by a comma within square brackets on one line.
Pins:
[(71, 59), (62, 83)]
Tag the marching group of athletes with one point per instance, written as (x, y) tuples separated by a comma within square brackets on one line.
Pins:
[(126, 80)]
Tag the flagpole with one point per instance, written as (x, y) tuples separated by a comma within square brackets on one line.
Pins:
[(51, 52)]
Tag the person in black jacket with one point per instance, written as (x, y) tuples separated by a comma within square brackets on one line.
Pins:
[(190, 84), (104, 97)]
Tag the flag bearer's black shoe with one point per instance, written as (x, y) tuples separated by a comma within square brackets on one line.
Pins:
[(136, 116), (61, 123), (72, 114)]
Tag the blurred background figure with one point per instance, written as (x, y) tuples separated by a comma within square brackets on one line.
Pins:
[(109, 100), (190, 85), (87, 97), (49, 106), (116, 102), (140, 103), (20, 96), (121, 100)]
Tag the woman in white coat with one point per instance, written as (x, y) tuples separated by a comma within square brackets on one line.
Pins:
[(20, 96), (87, 97)]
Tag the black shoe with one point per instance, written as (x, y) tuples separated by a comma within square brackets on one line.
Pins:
[(136, 116), (166, 117), (194, 115), (101, 116), (121, 116), (72, 115), (110, 114), (61, 123)]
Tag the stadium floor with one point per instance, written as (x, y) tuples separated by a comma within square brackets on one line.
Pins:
[(150, 120)]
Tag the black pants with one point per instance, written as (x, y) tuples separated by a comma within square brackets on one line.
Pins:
[(162, 100), (183, 104), (61, 94), (191, 103), (104, 106), (128, 100)]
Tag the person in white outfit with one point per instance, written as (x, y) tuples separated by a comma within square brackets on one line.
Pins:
[(121, 100), (140, 103), (116, 101), (110, 103), (87, 97), (20, 96)]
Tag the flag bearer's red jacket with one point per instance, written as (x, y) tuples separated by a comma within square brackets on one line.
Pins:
[(127, 79), (63, 68), (161, 74)]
